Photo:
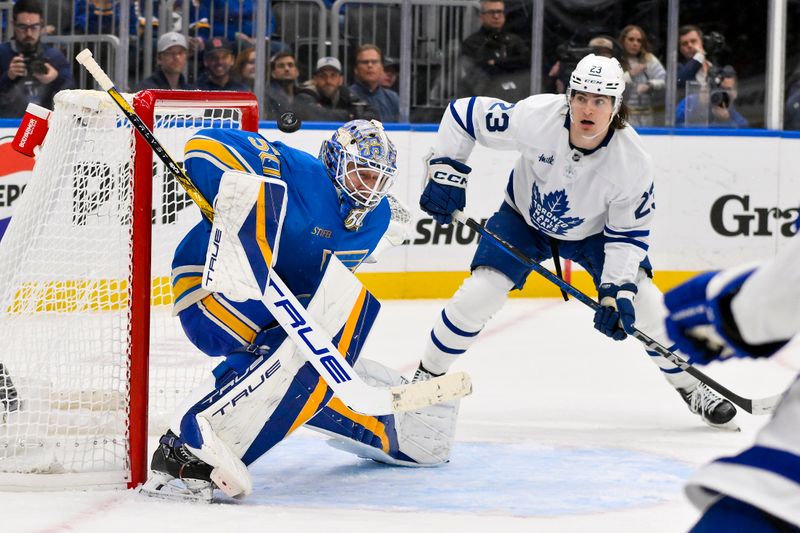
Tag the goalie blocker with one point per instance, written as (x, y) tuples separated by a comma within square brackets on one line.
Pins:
[(263, 392)]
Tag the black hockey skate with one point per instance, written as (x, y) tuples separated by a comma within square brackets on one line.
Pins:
[(715, 410), (8, 393), (423, 374), (177, 474)]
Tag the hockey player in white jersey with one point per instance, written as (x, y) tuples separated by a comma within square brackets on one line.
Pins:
[(582, 186), (746, 312)]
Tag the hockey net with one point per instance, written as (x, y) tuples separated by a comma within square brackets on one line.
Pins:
[(75, 352)]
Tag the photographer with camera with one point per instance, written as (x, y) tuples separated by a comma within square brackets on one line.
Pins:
[(498, 61), (698, 55), (325, 98), (714, 106), (29, 71)]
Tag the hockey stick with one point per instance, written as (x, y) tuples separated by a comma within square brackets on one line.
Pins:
[(759, 406), (314, 344)]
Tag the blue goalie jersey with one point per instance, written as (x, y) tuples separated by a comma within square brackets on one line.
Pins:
[(313, 228)]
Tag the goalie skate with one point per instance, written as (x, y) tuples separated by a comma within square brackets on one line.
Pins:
[(8, 393), (715, 411), (164, 486), (176, 474)]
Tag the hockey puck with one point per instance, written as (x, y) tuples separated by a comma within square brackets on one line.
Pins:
[(289, 122)]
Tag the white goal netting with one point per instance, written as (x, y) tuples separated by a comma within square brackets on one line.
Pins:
[(65, 267)]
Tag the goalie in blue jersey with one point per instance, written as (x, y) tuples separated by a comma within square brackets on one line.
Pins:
[(336, 213)]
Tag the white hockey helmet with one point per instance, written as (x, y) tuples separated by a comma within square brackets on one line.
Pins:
[(598, 75)]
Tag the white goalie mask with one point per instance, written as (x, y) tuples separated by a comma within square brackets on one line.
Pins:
[(361, 161), (598, 75)]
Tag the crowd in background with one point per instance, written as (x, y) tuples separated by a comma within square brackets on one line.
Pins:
[(218, 53)]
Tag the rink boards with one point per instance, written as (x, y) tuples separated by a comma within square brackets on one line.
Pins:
[(722, 197)]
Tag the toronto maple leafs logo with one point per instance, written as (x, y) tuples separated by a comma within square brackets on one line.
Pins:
[(548, 213)]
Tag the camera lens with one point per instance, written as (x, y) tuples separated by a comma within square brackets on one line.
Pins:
[(720, 98)]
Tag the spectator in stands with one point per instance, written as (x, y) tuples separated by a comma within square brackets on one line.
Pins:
[(570, 53), (645, 76), (103, 16), (218, 60), (692, 65), (498, 61), (171, 58), (233, 20), (369, 73), (391, 73), (715, 105), (325, 98), (791, 116), (603, 45), (30, 72), (283, 83), (60, 17), (244, 68)]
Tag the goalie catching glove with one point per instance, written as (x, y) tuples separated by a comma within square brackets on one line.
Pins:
[(446, 190), (615, 316)]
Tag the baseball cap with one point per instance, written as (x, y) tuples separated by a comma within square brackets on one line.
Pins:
[(218, 43), (329, 62), (391, 63), (171, 39)]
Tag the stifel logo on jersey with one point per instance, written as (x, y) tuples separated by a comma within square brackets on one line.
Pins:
[(548, 214)]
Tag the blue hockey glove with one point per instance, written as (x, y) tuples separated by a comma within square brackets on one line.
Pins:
[(701, 323), (616, 315), (446, 189)]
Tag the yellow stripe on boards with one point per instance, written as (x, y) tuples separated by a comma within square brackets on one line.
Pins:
[(80, 296), (414, 285)]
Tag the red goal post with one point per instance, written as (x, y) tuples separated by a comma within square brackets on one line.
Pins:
[(145, 104), (92, 349)]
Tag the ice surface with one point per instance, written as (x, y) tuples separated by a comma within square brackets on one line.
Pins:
[(566, 431)]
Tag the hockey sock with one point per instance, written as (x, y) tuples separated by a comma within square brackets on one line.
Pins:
[(476, 301), (650, 314)]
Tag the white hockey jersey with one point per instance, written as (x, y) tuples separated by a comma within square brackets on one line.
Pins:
[(767, 475), (558, 189)]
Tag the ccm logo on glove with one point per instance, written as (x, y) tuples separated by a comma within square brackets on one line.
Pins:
[(458, 180)]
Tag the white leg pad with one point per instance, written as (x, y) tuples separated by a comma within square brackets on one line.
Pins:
[(424, 437), (230, 473)]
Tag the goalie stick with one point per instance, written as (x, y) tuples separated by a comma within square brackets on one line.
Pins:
[(758, 406), (354, 392)]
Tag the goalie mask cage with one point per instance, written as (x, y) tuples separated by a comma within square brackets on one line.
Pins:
[(85, 295)]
